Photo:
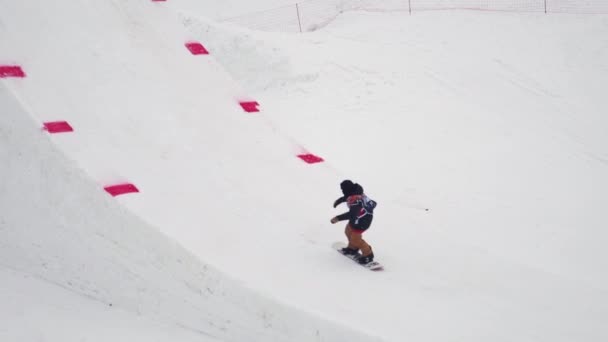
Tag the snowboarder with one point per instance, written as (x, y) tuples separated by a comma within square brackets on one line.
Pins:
[(359, 216)]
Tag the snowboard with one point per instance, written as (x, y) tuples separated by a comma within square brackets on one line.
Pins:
[(372, 266)]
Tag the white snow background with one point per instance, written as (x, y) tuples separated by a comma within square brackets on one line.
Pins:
[(483, 136)]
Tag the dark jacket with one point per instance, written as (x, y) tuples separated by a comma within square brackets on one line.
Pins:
[(360, 211)]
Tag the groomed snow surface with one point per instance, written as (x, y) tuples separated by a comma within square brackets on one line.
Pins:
[(481, 135)]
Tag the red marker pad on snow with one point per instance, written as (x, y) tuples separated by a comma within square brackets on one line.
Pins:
[(310, 158), (121, 189), (196, 48), (250, 106), (58, 127), (11, 71)]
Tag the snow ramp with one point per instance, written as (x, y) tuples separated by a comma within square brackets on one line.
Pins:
[(123, 144)]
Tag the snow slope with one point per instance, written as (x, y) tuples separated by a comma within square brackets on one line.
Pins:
[(144, 110), (229, 237), (494, 122)]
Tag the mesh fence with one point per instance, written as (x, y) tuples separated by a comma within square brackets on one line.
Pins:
[(308, 15), (284, 19), (484, 5), (315, 13), (578, 6)]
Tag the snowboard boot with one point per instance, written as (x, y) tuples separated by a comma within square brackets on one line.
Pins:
[(364, 260), (349, 251)]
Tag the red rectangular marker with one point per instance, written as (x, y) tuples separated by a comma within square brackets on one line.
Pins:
[(250, 106), (310, 158), (11, 71), (197, 48), (58, 127), (121, 189)]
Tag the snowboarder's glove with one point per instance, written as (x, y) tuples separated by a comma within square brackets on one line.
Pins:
[(339, 200), (334, 220)]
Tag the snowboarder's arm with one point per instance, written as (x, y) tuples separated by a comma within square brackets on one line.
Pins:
[(339, 201), (344, 216), (351, 214)]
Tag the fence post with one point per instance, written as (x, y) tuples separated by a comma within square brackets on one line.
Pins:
[(545, 6), (298, 13), (409, 2)]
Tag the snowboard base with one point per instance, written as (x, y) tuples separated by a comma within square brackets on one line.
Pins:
[(372, 266)]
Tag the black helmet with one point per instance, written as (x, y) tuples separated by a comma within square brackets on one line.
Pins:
[(357, 189), (347, 187)]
